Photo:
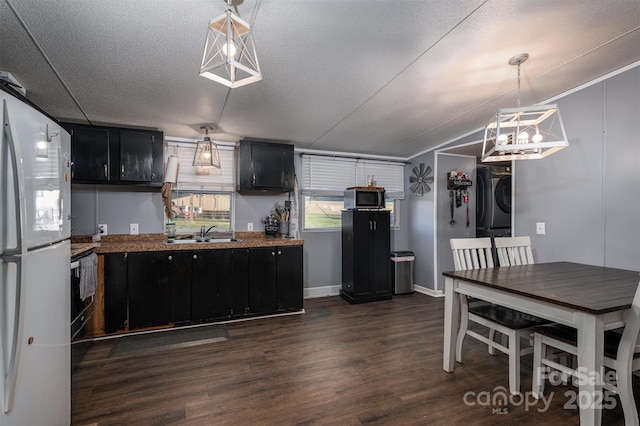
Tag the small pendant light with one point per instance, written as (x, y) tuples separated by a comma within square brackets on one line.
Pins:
[(206, 152)]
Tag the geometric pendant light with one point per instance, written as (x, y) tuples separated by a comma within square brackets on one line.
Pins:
[(523, 133), (229, 53), (206, 154)]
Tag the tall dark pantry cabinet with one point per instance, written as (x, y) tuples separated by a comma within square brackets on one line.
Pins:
[(365, 255)]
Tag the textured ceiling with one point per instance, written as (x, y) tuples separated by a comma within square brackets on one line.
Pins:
[(383, 77)]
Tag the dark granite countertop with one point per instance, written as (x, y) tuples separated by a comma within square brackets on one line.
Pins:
[(157, 242)]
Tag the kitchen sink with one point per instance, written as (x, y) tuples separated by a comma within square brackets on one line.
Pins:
[(206, 240)]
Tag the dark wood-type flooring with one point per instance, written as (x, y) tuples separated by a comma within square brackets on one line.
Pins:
[(378, 363)]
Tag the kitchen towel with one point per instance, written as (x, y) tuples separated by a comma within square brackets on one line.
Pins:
[(88, 275)]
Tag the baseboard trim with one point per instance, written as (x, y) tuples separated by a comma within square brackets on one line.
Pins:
[(329, 290), (428, 291), (334, 290)]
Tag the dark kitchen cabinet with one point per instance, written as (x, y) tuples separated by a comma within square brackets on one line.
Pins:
[(113, 155), (181, 288), (150, 289), (141, 156), (265, 167), (262, 280), (275, 279), (220, 284), (90, 154), (365, 255), (115, 292), (289, 278), (239, 283)]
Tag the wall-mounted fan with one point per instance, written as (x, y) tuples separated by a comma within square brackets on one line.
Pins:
[(420, 180)]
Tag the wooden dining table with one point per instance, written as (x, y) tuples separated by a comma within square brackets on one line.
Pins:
[(589, 298)]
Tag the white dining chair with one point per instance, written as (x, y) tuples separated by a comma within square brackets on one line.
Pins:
[(621, 353), (514, 250), (475, 253)]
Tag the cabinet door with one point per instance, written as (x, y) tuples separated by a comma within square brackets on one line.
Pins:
[(211, 278), (289, 278), (90, 154), (149, 289), (262, 280), (115, 292), (267, 163), (362, 228), (380, 256), (239, 284), (136, 156), (181, 286)]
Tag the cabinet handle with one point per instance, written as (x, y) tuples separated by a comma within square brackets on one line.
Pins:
[(122, 170), (375, 225), (153, 176), (273, 253), (170, 257), (370, 226), (279, 252), (253, 178), (106, 171), (195, 256)]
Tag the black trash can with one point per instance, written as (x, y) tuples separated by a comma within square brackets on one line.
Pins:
[(402, 271)]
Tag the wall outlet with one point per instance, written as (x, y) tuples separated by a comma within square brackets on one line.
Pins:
[(133, 229), (250, 226), (102, 228), (540, 228)]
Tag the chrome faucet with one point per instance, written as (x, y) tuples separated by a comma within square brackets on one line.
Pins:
[(204, 233)]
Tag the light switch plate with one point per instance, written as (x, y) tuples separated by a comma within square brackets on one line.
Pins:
[(250, 226), (133, 229), (540, 228), (102, 228)]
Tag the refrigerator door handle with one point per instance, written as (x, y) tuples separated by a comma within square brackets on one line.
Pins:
[(18, 188), (9, 335)]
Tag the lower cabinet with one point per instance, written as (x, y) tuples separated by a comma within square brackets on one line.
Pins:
[(275, 279), (150, 289), (219, 284), (115, 292)]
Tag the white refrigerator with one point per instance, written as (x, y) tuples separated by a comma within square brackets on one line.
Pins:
[(35, 360)]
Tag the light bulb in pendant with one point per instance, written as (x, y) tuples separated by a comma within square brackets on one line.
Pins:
[(537, 138), (231, 50), (207, 155), (523, 137), (503, 139)]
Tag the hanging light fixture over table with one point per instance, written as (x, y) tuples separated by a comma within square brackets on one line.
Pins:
[(206, 152), (229, 53), (523, 133)]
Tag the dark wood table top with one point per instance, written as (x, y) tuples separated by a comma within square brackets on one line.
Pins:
[(587, 288)]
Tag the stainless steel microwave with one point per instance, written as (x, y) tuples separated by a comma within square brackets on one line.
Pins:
[(364, 198)]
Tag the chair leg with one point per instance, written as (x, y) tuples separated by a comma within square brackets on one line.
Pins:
[(514, 362), (625, 392), (539, 348), (464, 325), (492, 335)]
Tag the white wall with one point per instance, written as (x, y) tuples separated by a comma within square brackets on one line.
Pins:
[(587, 194)]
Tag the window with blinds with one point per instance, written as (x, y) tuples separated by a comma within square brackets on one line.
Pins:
[(325, 178), (202, 196)]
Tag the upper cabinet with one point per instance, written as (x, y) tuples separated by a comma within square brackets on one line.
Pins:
[(113, 155), (265, 167)]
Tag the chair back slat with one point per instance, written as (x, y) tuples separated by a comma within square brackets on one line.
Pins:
[(514, 251), (471, 253)]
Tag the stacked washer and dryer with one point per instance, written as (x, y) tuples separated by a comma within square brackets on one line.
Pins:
[(493, 203)]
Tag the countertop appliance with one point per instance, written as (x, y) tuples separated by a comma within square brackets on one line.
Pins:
[(364, 197), (35, 227)]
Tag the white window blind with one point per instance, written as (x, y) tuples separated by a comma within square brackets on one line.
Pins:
[(322, 175), (203, 178)]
